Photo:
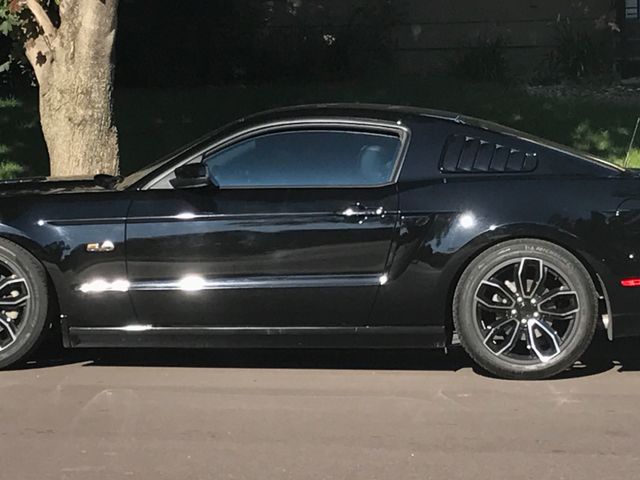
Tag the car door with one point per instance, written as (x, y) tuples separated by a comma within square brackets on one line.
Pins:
[(296, 233)]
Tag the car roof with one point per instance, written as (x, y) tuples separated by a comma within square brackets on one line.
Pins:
[(389, 113), (350, 110)]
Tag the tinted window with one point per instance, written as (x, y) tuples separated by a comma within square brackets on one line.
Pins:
[(307, 158)]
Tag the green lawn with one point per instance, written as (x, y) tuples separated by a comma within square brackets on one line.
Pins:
[(154, 122)]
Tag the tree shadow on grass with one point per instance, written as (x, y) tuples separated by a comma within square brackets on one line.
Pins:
[(621, 356)]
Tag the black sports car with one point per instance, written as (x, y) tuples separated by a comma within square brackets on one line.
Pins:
[(332, 226)]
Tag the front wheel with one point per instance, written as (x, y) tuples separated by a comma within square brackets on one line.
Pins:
[(23, 303), (525, 309)]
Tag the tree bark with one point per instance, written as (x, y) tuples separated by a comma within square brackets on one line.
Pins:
[(74, 69)]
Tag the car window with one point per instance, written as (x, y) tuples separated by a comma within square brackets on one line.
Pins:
[(307, 158)]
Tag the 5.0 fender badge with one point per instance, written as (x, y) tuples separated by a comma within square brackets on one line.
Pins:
[(106, 246)]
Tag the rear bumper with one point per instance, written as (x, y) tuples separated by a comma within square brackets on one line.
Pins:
[(626, 325)]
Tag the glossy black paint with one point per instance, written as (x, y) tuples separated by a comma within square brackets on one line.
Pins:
[(323, 279), (247, 233)]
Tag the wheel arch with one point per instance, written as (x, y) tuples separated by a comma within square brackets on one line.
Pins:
[(487, 240)]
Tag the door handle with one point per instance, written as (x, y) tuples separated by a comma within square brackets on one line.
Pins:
[(359, 210)]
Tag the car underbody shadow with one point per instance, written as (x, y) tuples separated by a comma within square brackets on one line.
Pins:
[(622, 356), (329, 359)]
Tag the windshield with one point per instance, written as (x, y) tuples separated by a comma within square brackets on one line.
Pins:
[(140, 174)]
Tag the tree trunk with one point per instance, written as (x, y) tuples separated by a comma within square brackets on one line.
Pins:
[(76, 83)]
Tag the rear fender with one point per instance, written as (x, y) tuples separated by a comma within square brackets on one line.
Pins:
[(433, 251)]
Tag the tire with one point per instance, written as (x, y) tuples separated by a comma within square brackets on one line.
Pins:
[(28, 296), (525, 309)]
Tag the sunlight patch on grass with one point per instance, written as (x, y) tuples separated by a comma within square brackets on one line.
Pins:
[(10, 169), (634, 159), (10, 102), (590, 139)]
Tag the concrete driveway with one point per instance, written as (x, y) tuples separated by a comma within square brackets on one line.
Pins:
[(315, 415)]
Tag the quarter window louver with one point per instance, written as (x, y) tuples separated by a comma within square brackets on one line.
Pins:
[(464, 154)]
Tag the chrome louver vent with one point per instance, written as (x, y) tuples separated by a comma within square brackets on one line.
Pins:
[(463, 154)]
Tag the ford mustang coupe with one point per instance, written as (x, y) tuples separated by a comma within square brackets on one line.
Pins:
[(332, 226)]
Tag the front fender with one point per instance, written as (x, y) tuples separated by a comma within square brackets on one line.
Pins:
[(56, 229)]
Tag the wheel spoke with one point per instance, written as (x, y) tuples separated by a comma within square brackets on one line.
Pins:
[(6, 326), (540, 286), (546, 345), (552, 303), (502, 289), (501, 299), (13, 297), (496, 327), (14, 303), (11, 281), (564, 316), (529, 286), (555, 294), (510, 342)]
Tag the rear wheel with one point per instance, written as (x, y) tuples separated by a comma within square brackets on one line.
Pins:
[(525, 309), (23, 303)]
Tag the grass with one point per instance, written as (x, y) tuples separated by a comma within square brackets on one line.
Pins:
[(155, 122)]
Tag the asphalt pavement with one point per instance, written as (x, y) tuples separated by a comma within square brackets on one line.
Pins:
[(177, 415)]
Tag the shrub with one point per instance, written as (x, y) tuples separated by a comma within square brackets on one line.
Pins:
[(484, 60), (9, 169), (578, 54)]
